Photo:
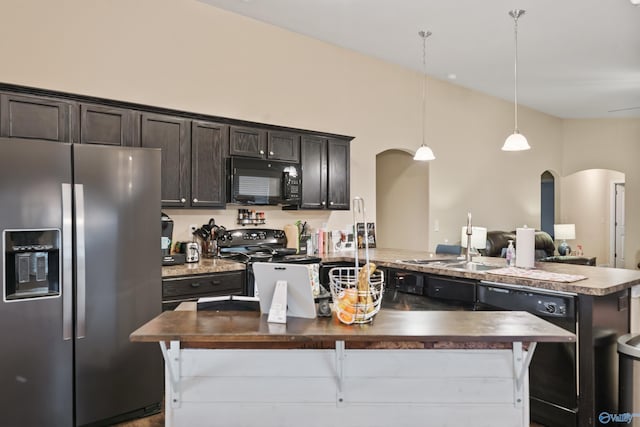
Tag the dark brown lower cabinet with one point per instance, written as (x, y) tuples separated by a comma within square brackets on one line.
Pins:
[(190, 288)]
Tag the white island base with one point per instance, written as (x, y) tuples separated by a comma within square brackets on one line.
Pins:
[(407, 368), (326, 388)]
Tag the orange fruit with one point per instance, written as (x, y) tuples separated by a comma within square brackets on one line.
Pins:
[(345, 317), (344, 305), (351, 295)]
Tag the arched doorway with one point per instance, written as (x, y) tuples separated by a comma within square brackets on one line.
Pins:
[(547, 202), (402, 201)]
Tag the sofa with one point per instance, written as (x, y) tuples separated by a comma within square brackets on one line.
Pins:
[(497, 242)]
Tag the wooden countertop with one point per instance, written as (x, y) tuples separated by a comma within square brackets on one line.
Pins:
[(387, 326), (599, 281)]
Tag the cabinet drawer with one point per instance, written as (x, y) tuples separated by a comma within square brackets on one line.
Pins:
[(199, 286), (447, 288)]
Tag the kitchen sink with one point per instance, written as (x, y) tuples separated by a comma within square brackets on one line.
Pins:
[(472, 266), (432, 262), (453, 264)]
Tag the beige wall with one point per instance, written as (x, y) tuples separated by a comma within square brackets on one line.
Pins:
[(586, 202), (609, 144), (190, 56)]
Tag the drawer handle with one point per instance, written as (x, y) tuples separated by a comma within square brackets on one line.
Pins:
[(195, 285)]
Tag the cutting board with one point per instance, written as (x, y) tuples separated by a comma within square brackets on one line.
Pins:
[(293, 241)]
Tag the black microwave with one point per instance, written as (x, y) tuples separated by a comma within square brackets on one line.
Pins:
[(264, 182)]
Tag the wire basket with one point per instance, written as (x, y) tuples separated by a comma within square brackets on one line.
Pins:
[(357, 296)]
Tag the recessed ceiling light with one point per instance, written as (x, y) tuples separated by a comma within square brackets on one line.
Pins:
[(451, 76)]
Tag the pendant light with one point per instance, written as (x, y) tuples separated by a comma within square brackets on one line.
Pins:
[(516, 141), (424, 153)]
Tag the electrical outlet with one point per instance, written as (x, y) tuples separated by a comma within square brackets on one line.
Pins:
[(193, 227)]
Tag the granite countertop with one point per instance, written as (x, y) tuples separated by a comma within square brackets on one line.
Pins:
[(599, 280), (204, 266)]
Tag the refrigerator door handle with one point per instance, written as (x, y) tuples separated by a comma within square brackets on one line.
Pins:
[(80, 263), (67, 263)]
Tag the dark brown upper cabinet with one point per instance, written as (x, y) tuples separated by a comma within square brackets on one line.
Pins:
[(172, 135), (338, 184), (247, 142), (208, 174), (33, 117), (325, 173), (105, 125), (283, 146), (258, 143)]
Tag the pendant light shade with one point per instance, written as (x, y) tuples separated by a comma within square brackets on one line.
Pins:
[(516, 141), (424, 153)]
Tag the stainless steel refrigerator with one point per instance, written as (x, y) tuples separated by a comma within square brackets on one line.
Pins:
[(80, 271)]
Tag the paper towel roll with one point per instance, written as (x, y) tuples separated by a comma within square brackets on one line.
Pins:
[(525, 247)]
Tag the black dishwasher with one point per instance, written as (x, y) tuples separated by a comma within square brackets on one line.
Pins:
[(553, 374)]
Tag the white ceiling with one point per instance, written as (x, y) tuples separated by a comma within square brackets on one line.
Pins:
[(576, 58)]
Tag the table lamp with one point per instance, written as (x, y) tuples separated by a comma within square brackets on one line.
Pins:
[(478, 238), (564, 232)]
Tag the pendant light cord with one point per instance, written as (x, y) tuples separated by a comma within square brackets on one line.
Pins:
[(515, 72), (515, 14), (424, 35)]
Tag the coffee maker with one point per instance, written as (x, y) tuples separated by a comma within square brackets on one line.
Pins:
[(166, 242)]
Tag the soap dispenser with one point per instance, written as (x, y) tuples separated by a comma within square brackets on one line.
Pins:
[(511, 254)]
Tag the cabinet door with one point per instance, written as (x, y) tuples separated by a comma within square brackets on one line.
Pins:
[(248, 142), (313, 161), (172, 135), (338, 174), (207, 164), (33, 117), (105, 125), (176, 290), (283, 146)]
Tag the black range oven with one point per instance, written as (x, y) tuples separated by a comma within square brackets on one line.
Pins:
[(259, 245)]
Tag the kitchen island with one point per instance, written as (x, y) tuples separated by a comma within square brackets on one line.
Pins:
[(581, 375), (404, 369)]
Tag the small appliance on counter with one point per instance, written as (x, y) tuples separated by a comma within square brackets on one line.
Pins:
[(190, 250), (165, 242), (208, 235)]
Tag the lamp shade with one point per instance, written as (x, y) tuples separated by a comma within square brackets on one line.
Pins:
[(424, 153), (564, 231), (515, 142), (478, 237)]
